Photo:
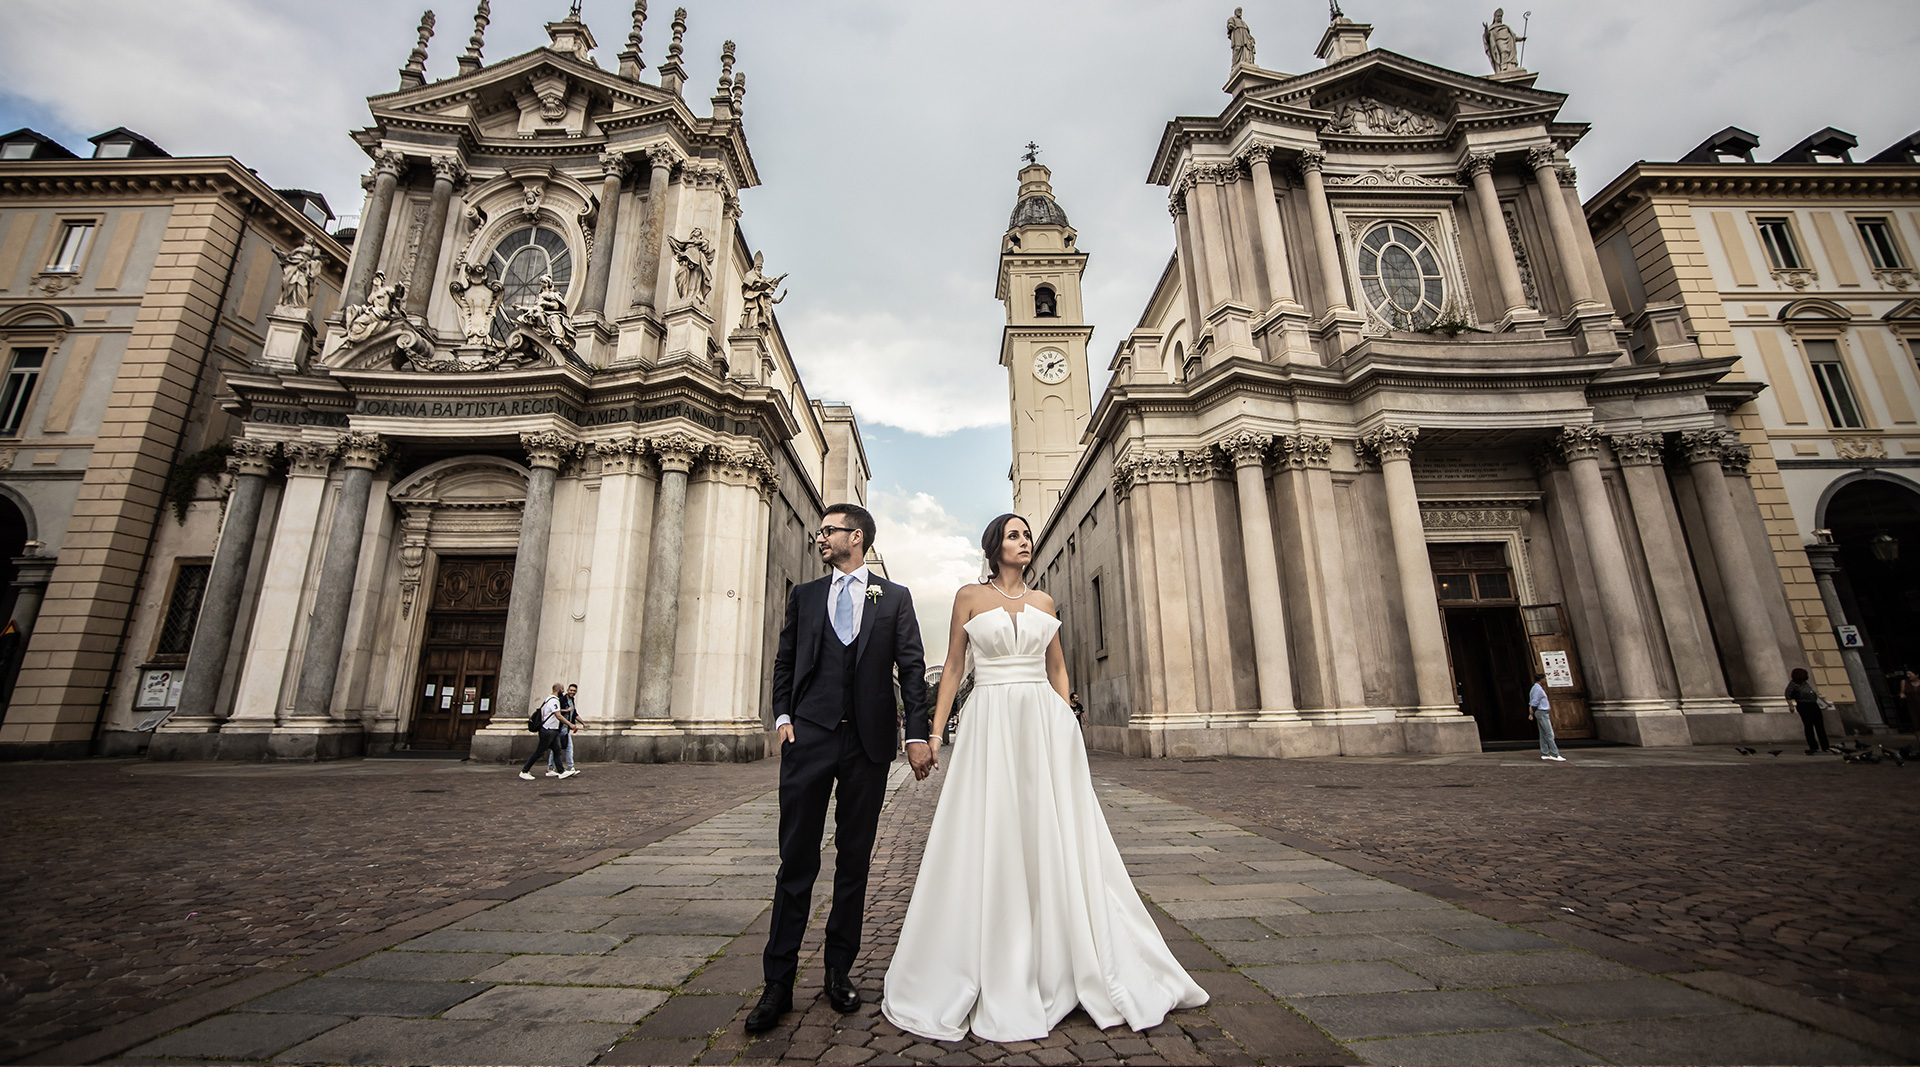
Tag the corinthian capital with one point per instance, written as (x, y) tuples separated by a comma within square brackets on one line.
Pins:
[(676, 452), (1637, 449), (389, 161), (548, 448), (663, 156), (1540, 157), (1311, 160), (449, 169), (1300, 451), (1735, 457), (1478, 163), (251, 456), (1579, 442), (362, 450), (310, 458), (1392, 442), (1246, 448), (1257, 153), (620, 455), (1704, 446), (614, 164)]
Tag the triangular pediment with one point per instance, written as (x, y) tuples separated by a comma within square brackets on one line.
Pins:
[(510, 76), (1360, 93)]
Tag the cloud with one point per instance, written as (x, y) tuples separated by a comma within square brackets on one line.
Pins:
[(916, 374), (929, 552)]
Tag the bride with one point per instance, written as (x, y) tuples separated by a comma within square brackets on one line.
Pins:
[(1023, 907)]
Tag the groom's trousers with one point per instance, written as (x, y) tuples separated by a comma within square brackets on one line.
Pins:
[(810, 767)]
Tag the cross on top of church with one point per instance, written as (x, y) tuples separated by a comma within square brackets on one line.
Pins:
[(1033, 153)]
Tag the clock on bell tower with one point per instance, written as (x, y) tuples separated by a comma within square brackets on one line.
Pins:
[(1044, 345)]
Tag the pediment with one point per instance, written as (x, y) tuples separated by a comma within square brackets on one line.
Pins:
[(1814, 309), (1383, 93), (553, 85), (1907, 312), (464, 481)]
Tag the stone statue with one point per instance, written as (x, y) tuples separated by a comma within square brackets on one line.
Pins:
[(382, 308), (547, 315), (1501, 43), (756, 295), (1240, 37), (1365, 115), (695, 255), (478, 294), (298, 269)]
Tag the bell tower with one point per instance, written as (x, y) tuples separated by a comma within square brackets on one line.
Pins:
[(1044, 345)]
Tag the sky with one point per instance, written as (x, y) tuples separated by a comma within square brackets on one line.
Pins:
[(888, 136)]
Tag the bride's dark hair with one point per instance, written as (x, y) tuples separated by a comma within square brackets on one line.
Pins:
[(996, 535)]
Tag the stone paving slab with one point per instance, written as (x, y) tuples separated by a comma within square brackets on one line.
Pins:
[(654, 957)]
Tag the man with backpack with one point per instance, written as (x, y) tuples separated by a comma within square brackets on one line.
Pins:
[(546, 719)]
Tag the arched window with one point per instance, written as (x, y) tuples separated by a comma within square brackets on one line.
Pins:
[(1045, 305), (519, 261), (1400, 274)]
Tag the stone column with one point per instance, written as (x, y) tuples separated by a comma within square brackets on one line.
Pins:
[(1267, 218), (1205, 290), (388, 165), (227, 581), (31, 576), (1331, 278), (447, 173), (1432, 673), (1566, 240), (1487, 202), (1248, 451), (1825, 564), (546, 450), (1205, 208), (1633, 663), (1689, 638), (653, 237), (1739, 577), (659, 632), (1189, 274), (360, 453), (613, 167)]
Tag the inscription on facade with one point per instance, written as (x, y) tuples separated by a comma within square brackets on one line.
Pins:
[(271, 416), (1458, 467)]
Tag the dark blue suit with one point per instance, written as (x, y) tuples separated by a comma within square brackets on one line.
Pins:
[(841, 699)]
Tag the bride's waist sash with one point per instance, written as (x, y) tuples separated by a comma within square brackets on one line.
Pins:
[(1003, 670)]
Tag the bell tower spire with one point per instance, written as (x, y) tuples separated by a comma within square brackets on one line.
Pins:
[(1044, 345)]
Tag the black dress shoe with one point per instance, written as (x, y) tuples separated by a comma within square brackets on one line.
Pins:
[(840, 992), (776, 1001)]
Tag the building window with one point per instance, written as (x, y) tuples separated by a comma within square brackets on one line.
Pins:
[(1400, 275), (18, 393), (1831, 375), (1877, 235), (183, 610), (1045, 305), (1776, 234), (73, 246), (17, 150), (1099, 615), (519, 261)]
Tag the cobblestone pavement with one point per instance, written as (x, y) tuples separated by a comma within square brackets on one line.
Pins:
[(129, 885), (653, 957), (1801, 872)]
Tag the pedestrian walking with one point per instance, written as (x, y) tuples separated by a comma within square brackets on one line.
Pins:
[(550, 719), (1540, 710), (570, 724), (1806, 701)]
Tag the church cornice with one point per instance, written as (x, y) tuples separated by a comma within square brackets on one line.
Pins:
[(1752, 181)]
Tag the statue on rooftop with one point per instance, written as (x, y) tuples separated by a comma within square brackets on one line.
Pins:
[(756, 295), (383, 306), (1240, 37), (694, 279), (547, 316), (298, 269), (1501, 43)]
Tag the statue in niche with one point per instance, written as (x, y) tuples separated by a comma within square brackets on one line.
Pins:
[(477, 294), (547, 316), (1501, 43), (1240, 38), (694, 279), (756, 295), (298, 269), (382, 308)]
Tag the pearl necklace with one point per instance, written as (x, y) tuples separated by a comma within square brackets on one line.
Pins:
[(1024, 590)]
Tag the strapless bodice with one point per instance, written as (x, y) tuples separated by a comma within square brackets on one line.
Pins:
[(1010, 648)]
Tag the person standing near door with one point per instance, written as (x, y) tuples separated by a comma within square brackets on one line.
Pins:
[(1540, 710), (1806, 701), (550, 716)]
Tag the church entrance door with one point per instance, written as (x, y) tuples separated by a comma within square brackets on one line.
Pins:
[(1485, 639), (460, 654)]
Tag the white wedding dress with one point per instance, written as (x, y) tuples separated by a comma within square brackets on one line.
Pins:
[(1023, 907)]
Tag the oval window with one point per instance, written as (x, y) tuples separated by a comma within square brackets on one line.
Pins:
[(1400, 276), (519, 261)]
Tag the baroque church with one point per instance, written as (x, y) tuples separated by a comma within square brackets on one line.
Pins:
[(1379, 449), (551, 433)]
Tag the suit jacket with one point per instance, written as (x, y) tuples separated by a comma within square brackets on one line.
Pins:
[(889, 639)]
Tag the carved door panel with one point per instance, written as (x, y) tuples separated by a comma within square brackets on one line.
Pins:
[(460, 654), (1554, 656)]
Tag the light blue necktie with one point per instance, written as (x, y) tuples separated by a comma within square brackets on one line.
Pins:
[(843, 612)]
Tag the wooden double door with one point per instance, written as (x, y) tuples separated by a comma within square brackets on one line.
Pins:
[(1495, 645), (466, 627)]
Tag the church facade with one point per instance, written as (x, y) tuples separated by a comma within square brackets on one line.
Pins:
[(552, 433), (1380, 447)]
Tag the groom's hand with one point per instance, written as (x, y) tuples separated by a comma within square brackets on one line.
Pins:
[(784, 732), (921, 754)]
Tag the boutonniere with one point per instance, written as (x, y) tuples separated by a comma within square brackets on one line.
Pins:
[(873, 593)]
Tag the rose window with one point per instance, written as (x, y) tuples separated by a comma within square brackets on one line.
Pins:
[(1400, 275), (519, 261)]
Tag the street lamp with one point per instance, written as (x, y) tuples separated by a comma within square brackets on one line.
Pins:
[(1885, 546)]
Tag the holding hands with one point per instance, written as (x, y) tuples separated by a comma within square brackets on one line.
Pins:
[(925, 757)]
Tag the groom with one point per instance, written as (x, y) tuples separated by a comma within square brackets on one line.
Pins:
[(833, 684)]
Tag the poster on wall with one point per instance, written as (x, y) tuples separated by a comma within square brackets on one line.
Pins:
[(157, 690), (1558, 670)]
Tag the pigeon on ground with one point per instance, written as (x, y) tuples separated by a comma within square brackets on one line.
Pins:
[(1745, 751)]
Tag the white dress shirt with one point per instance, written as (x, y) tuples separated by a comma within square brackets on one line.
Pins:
[(857, 580)]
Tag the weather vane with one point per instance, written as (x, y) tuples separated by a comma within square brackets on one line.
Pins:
[(1033, 153)]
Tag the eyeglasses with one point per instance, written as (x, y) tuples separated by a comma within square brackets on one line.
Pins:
[(825, 532)]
